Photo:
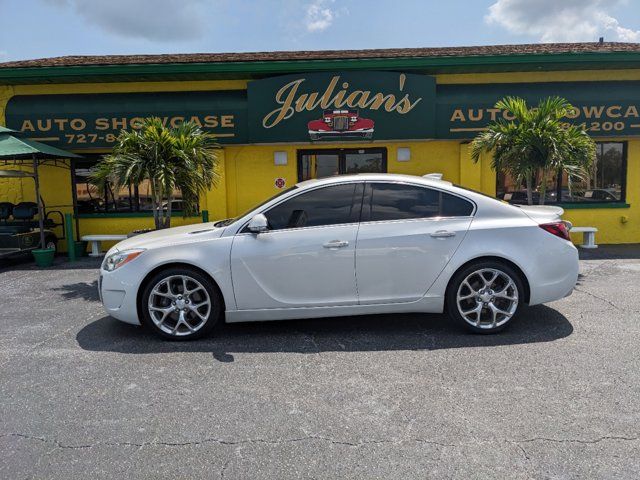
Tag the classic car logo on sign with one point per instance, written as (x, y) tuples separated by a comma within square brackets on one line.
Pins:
[(340, 124)]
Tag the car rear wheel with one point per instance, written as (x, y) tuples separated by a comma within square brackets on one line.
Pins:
[(181, 304), (485, 296)]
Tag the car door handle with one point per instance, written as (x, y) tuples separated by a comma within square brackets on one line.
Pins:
[(442, 234), (336, 244)]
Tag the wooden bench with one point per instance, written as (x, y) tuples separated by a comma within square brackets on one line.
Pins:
[(96, 242), (588, 236)]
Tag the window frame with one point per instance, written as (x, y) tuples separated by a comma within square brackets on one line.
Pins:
[(369, 189), (134, 197), (357, 216), (593, 204), (342, 155)]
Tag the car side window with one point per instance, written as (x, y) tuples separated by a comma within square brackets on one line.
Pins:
[(452, 206), (396, 201), (332, 205)]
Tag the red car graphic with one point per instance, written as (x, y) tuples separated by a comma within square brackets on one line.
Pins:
[(340, 123)]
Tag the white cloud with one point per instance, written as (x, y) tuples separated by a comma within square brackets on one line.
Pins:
[(320, 15), (157, 20), (3, 55), (561, 20)]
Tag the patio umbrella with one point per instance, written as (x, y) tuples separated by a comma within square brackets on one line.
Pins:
[(12, 146)]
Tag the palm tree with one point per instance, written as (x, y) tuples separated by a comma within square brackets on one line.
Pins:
[(170, 159), (536, 141)]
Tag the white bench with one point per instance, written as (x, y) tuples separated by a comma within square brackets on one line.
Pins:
[(96, 242), (589, 236)]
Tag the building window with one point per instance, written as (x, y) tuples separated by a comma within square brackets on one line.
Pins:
[(605, 182), (129, 199), (320, 163)]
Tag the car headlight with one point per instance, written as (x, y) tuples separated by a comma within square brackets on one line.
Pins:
[(118, 259)]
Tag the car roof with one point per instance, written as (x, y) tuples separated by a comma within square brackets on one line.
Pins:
[(377, 177), (477, 197)]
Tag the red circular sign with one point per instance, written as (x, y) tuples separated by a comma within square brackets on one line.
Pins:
[(280, 182)]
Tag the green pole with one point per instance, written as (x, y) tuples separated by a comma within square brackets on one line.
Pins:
[(205, 216), (68, 229)]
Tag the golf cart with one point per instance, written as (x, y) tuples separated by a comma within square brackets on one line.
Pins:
[(19, 230)]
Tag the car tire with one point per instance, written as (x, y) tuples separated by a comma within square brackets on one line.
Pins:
[(181, 304), (485, 296)]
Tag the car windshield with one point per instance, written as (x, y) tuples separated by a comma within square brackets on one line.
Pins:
[(229, 221)]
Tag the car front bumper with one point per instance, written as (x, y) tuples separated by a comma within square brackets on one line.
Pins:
[(118, 295)]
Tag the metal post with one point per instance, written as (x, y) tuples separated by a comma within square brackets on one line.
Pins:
[(68, 229), (205, 216), (39, 202)]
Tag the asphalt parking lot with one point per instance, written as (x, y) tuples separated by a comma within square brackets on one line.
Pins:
[(557, 395)]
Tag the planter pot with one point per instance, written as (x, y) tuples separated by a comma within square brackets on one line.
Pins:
[(81, 248), (44, 256)]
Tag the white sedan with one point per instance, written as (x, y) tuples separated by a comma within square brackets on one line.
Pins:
[(346, 245)]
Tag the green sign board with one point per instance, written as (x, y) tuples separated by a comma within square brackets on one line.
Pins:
[(602, 108), (322, 107), (94, 120)]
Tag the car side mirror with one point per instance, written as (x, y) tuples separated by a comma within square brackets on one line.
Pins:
[(258, 224)]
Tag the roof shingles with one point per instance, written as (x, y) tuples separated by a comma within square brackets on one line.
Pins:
[(287, 56)]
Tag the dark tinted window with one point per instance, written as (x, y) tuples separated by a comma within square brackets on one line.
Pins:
[(324, 206), (389, 201), (453, 206)]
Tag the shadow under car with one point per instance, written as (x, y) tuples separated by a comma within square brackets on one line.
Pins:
[(351, 334)]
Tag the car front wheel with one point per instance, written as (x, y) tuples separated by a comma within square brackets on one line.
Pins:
[(485, 297), (181, 304)]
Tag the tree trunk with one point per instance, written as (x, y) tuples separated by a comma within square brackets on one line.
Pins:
[(543, 188), (529, 189), (167, 220), (160, 209), (154, 204)]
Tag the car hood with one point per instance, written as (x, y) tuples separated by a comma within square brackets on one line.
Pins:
[(542, 213), (171, 236)]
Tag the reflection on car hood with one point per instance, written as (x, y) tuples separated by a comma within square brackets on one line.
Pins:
[(171, 236)]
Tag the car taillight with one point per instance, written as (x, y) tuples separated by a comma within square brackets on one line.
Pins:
[(559, 229)]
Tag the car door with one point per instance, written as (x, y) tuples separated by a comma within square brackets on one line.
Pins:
[(407, 235), (307, 257)]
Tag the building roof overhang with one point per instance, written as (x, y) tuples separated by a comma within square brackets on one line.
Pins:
[(499, 58)]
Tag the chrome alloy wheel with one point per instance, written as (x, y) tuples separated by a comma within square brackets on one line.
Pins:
[(179, 305), (487, 298)]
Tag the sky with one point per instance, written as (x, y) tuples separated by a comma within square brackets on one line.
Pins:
[(47, 28)]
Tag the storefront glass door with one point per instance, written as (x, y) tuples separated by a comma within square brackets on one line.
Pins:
[(330, 162)]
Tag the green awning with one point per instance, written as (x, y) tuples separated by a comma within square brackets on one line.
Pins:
[(14, 147), (6, 130)]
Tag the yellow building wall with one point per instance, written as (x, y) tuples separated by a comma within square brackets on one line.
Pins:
[(248, 172)]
